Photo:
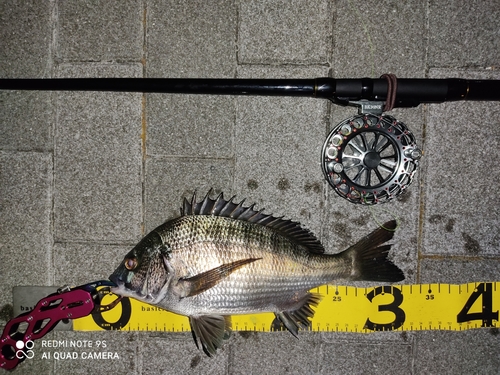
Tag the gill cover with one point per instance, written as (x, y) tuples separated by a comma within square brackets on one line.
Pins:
[(144, 271)]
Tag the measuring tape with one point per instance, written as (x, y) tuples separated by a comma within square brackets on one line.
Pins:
[(343, 309)]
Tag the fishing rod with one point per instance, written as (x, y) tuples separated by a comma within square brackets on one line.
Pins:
[(409, 92), (369, 158)]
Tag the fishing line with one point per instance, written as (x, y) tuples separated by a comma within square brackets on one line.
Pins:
[(381, 223)]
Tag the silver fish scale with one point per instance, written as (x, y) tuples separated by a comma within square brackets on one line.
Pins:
[(282, 275)]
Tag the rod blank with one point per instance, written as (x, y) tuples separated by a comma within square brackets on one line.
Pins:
[(410, 92)]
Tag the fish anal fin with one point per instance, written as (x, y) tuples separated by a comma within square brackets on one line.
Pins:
[(210, 331), (299, 318), (197, 284)]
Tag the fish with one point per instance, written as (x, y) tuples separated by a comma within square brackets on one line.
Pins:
[(220, 258)]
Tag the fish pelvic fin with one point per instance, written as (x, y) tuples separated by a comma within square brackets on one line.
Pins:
[(210, 331), (369, 257), (199, 283), (299, 318)]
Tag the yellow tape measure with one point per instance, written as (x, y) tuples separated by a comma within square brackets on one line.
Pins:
[(343, 309)]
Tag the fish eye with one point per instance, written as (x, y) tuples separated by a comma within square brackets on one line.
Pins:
[(130, 263)]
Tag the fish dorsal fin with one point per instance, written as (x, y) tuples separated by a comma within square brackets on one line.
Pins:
[(227, 208)]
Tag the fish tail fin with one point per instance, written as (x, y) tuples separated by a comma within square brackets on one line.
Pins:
[(369, 256)]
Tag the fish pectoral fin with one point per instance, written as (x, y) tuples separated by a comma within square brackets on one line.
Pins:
[(210, 331), (301, 317), (199, 283)]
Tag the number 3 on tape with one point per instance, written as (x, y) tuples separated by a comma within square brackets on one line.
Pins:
[(399, 314)]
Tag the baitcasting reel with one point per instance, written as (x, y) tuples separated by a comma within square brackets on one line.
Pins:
[(368, 159)]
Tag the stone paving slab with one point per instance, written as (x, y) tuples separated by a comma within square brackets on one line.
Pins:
[(459, 167), (98, 160), (190, 126), (25, 38), (359, 357), (27, 121), (278, 145), (170, 180), (81, 263), (441, 352), (191, 39), (463, 35), (277, 352), (278, 32), (376, 37), (99, 31), (158, 357), (458, 271), (26, 202)]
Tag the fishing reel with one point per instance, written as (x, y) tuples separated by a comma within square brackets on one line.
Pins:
[(370, 158)]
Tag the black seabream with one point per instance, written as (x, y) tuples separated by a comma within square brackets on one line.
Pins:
[(220, 258)]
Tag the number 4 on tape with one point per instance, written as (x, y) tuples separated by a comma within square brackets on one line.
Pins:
[(484, 290)]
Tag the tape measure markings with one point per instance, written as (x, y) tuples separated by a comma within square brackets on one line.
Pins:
[(343, 309)]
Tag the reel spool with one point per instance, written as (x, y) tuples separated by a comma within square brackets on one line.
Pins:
[(370, 158)]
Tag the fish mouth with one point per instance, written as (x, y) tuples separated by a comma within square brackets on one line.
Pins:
[(125, 289), (119, 283), (122, 288)]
